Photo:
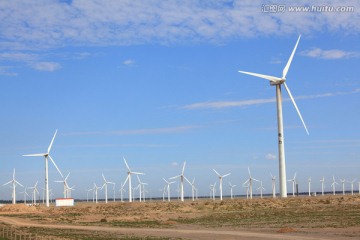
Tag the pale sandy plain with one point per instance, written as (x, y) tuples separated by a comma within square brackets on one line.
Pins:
[(322, 217)]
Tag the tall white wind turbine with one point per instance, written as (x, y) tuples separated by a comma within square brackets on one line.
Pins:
[(333, 185), (47, 156), (309, 181), (343, 185), (273, 184), (105, 185), (293, 180), (128, 179), (14, 183), (352, 186), (141, 189), (250, 183), (261, 188), (168, 183), (276, 81), (121, 191), (34, 188), (220, 182), (96, 189), (231, 190), (322, 185), (66, 186), (25, 194), (182, 177)]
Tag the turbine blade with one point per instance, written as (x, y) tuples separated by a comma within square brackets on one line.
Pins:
[(187, 180), (286, 69), (127, 178), (52, 141), (35, 155), (175, 177), (249, 172), (297, 109), (126, 164), (56, 166), (217, 173), (182, 173), (165, 181), (137, 173), (7, 183), (66, 177), (226, 175), (270, 78), (104, 178)]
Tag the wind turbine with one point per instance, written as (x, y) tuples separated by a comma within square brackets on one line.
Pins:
[(129, 173), (192, 188), (182, 177), (276, 81), (141, 188), (47, 156), (309, 180), (220, 182), (87, 194), (343, 185), (273, 184), (106, 189), (121, 191), (168, 188), (66, 186), (25, 194), (14, 183), (261, 188), (352, 186), (250, 182), (333, 185), (34, 188), (231, 190), (95, 189), (293, 184), (322, 185)]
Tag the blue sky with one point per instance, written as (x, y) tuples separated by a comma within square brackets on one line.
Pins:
[(158, 83)]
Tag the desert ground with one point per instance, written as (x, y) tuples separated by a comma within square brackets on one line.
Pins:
[(321, 217)]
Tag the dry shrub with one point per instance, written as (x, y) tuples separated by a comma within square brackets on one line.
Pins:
[(286, 230)]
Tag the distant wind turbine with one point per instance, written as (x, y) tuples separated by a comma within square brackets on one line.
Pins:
[(128, 179), (34, 188), (261, 188), (14, 183), (182, 177), (105, 185), (322, 185), (220, 182), (333, 185), (293, 180), (343, 185), (47, 156), (231, 190), (168, 183), (273, 184), (250, 182), (276, 81), (25, 194), (309, 181), (352, 186)]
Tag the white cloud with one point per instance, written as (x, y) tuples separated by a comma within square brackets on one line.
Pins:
[(5, 71), (43, 23), (128, 62), (329, 54), (243, 103), (270, 156), (174, 164), (46, 66)]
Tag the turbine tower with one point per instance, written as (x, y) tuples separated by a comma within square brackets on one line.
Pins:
[(106, 188), (220, 182), (231, 190), (343, 185), (129, 173), (34, 188), (322, 185), (168, 188), (333, 185), (273, 184), (276, 81), (182, 177), (14, 183), (293, 184), (250, 182), (66, 186), (309, 181), (47, 156)]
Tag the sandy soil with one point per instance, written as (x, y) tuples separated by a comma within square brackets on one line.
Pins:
[(329, 217)]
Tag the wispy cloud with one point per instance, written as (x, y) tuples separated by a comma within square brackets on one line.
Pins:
[(270, 156), (128, 62), (244, 103), (329, 54), (130, 22), (46, 66), (149, 131), (6, 71)]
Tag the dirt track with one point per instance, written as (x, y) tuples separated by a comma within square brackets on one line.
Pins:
[(174, 233)]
